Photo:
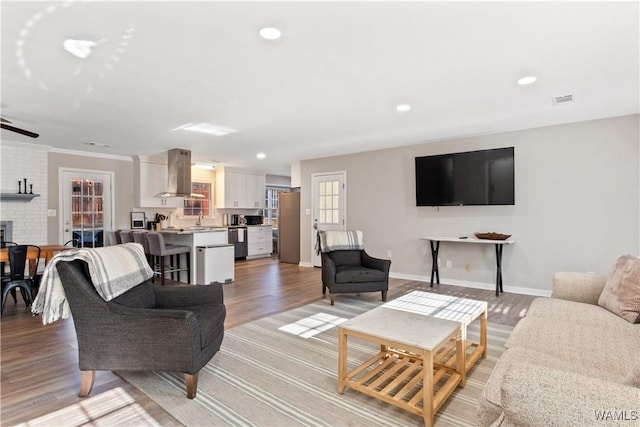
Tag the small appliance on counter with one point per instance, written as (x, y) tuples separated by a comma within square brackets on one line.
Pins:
[(230, 219), (137, 220), (253, 219)]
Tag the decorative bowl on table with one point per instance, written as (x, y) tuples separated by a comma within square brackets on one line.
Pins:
[(492, 236)]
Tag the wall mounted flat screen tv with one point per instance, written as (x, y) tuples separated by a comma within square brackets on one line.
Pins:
[(483, 177)]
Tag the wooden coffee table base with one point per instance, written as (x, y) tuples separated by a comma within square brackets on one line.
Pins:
[(416, 380)]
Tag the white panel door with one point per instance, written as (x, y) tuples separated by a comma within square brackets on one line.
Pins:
[(328, 202), (86, 207)]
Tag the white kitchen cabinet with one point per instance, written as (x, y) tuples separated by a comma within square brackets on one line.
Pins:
[(150, 178), (256, 186), (259, 241), (239, 189)]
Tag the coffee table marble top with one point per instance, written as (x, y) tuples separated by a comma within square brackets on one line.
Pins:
[(408, 328)]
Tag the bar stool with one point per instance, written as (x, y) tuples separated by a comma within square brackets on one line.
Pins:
[(126, 236), (112, 238), (158, 249), (140, 237)]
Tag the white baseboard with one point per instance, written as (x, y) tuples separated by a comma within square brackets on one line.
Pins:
[(304, 264), (475, 285)]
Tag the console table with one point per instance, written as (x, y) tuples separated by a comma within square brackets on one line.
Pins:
[(434, 242)]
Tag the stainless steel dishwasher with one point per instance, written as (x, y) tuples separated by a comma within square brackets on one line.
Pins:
[(238, 238)]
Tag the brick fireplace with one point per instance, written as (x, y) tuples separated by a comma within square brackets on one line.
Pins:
[(6, 231)]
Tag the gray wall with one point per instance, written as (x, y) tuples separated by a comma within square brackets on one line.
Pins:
[(123, 185), (577, 206)]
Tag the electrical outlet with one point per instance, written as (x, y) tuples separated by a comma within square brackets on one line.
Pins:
[(467, 267), (449, 263), (388, 253), (51, 212)]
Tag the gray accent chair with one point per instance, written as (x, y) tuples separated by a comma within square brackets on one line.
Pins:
[(148, 328), (354, 271)]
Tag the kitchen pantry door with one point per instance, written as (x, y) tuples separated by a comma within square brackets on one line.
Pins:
[(86, 205), (328, 204)]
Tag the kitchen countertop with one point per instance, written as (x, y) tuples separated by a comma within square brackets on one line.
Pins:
[(193, 230)]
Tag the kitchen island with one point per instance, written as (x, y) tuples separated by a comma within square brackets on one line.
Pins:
[(193, 237)]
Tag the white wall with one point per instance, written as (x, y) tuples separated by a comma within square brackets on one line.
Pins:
[(577, 205), (18, 161)]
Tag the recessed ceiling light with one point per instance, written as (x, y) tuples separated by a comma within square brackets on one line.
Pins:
[(79, 48), (527, 80), (403, 108), (261, 155), (206, 128), (270, 33)]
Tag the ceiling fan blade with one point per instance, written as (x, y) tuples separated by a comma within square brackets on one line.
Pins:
[(2, 119), (18, 130)]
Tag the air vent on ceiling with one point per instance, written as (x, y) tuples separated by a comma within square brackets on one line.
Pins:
[(564, 99)]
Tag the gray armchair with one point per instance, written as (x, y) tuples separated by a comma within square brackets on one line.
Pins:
[(149, 327), (354, 271)]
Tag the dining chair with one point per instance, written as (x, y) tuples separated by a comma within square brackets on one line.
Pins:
[(3, 272), (17, 277)]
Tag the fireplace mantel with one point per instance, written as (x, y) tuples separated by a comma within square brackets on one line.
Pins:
[(17, 197)]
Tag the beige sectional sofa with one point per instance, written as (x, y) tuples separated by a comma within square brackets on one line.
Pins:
[(569, 362)]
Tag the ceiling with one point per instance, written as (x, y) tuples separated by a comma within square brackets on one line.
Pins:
[(328, 86)]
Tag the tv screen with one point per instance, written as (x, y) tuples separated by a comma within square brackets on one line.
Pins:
[(483, 177)]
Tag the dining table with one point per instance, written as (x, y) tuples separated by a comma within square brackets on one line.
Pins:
[(46, 251)]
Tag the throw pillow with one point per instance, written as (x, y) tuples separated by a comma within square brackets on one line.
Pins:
[(621, 293)]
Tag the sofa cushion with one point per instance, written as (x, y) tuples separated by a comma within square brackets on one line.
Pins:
[(633, 377), (621, 294), (608, 346), (541, 396), (490, 402), (141, 296), (564, 311), (357, 274)]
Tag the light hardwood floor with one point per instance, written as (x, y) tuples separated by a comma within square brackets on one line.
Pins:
[(39, 363)]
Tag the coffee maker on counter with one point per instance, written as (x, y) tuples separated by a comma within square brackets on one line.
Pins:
[(230, 219)]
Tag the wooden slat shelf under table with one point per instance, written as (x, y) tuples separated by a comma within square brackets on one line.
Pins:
[(417, 368)]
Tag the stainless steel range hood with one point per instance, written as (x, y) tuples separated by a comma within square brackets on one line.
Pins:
[(179, 161)]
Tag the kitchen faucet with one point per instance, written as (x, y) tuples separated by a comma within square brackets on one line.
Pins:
[(199, 221)]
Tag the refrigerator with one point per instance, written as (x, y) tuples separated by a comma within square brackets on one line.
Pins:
[(215, 264), (289, 227)]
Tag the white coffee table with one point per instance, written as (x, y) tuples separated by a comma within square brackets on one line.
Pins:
[(423, 347)]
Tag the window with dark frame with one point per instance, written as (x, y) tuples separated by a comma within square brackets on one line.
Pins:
[(195, 206)]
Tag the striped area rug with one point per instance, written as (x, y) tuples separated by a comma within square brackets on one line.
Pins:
[(265, 376)]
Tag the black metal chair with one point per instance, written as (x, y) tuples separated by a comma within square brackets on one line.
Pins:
[(17, 277), (3, 268)]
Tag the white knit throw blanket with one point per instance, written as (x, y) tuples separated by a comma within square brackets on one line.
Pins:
[(339, 240), (113, 270)]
